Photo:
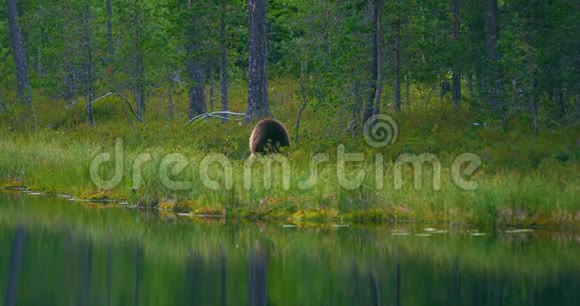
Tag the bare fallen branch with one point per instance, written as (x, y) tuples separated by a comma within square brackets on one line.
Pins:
[(123, 98), (217, 115), (429, 95)]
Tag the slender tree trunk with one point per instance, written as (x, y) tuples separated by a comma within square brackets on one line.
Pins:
[(397, 63), (223, 59), (514, 95), (373, 103), (110, 49), (89, 86), (139, 89), (429, 95), (19, 51), (38, 57), (471, 91), (379, 60), (533, 99), (258, 104), (109, 28), (494, 84), (325, 37), (561, 104), (69, 80), (197, 103), (304, 101), (456, 78), (195, 70), (408, 87), (211, 87), (481, 88), (170, 80), (356, 107)]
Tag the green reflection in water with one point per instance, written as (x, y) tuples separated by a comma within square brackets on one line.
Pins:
[(56, 252)]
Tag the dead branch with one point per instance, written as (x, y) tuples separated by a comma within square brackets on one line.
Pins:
[(119, 96), (217, 114), (429, 95)]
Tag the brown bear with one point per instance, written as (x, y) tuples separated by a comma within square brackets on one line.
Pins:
[(268, 136)]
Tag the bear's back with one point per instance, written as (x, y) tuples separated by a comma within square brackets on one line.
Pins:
[(269, 136)]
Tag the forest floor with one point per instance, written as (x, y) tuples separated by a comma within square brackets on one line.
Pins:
[(437, 166)]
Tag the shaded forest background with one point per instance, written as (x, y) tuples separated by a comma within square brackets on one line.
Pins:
[(498, 60)]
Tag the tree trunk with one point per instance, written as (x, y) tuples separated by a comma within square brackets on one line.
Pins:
[(304, 101), (494, 87), (456, 78), (373, 104), (195, 70), (89, 86), (471, 91), (327, 26), (69, 79), (532, 96), (211, 87), (19, 50), (170, 94), (408, 88), (139, 89), (223, 60), (356, 107), (258, 104), (109, 28), (38, 58), (197, 103), (110, 72), (397, 63)]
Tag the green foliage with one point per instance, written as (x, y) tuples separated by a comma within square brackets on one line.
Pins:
[(319, 52), (327, 44)]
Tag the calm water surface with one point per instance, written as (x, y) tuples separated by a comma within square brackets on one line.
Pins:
[(57, 252)]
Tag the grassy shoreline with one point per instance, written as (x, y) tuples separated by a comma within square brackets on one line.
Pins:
[(545, 196), (521, 180)]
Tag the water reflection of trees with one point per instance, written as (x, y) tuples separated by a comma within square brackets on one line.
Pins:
[(68, 268), (15, 264)]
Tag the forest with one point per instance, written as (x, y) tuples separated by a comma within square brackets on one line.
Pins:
[(498, 79)]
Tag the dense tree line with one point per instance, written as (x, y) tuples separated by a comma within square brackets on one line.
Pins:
[(498, 58)]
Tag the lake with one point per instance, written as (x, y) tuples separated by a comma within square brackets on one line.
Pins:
[(60, 252)]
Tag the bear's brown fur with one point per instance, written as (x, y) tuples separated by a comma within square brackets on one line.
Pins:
[(268, 136)]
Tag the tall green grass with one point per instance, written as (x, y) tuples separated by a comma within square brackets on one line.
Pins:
[(521, 179)]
